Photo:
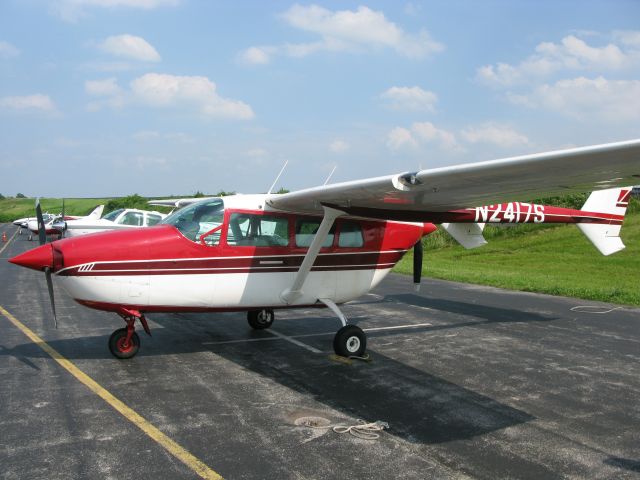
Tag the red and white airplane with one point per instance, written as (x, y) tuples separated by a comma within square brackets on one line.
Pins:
[(51, 220), (327, 245)]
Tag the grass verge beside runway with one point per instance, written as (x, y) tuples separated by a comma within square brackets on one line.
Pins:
[(13, 208), (553, 260)]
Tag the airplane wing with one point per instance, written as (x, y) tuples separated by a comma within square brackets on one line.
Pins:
[(176, 202), (404, 196)]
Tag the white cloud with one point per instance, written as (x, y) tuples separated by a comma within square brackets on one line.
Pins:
[(145, 135), (572, 53), (410, 98), (256, 55), (130, 46), (422, 133), (152, 135), (73, 10), (162, 90), (599, 98), (399, 138), (28, 103), (7, 50), (338, 146), (359, 30), (257, 153), (496, 134), (101, 88)]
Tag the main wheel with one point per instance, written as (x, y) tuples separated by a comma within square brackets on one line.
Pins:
[(260, 319), (119, 346), (350, 341)]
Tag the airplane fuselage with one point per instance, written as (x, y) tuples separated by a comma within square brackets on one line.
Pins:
[(248, 262)]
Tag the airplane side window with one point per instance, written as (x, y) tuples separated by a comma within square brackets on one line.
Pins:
[(132, 218), (306, 230), (350, 235), (258, 230), (153, 219)]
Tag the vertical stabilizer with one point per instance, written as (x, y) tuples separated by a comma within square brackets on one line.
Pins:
[(611, 205)]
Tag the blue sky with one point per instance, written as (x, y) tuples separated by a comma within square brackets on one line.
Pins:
[(159, 97)]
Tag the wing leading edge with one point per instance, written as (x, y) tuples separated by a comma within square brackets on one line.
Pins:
[(405, 196)]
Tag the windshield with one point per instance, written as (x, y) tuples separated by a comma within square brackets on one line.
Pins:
[(112, 216), (198, 218)]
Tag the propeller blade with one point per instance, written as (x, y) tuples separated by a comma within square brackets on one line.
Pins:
[(417, 264), (42, 234), (47, 274)]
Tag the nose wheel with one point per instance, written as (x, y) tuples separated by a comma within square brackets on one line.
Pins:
[(121, 347), (124, 343)]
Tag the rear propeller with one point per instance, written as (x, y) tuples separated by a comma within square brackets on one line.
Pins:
[(42, 237), (417, 264)]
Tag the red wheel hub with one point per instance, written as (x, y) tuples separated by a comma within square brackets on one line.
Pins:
[(123, 345)]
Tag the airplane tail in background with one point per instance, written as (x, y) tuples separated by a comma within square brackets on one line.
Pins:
[(97, 212), (612, 205)]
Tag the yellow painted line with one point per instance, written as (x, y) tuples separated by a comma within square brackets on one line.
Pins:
[(9, 241), (172, 447)]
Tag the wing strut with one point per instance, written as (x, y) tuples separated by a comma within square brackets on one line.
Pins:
[(290, 295)]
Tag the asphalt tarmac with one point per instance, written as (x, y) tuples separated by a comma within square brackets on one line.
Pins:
[(473, 382)]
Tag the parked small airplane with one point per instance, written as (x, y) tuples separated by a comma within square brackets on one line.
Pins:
[(327, 245), (51, 221), (23, 223), (120, 219)]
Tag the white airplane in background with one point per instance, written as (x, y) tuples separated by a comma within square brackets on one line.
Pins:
[(23, 223), (120, 219), (327, 245), (50, 220)]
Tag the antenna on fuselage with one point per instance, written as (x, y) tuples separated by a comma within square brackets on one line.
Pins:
[(278, 177), (330, 175)]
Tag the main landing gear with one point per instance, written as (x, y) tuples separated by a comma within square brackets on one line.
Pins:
[(350, 340), (260, 319), (125, 342)]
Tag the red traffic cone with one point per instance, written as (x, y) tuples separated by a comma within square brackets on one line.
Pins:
[(4, 236)]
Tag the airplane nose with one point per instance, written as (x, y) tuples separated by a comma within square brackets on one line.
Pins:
[(38, 258)]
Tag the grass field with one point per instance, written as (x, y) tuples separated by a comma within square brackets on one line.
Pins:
[(13, 208), (555, 260)]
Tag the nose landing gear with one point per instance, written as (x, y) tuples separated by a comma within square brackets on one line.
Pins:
[(124, 343)]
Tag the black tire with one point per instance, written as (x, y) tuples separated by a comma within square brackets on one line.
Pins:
[(350, 341), (117, 344), (260, 319)]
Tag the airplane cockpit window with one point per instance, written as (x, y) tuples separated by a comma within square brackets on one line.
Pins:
[(306, 229), (132, 218), (111, 216), (153, 219), (198, 219), (258, 230)]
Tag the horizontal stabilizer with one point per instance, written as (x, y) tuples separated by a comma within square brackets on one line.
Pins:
[(613, 202), (469, 235)]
